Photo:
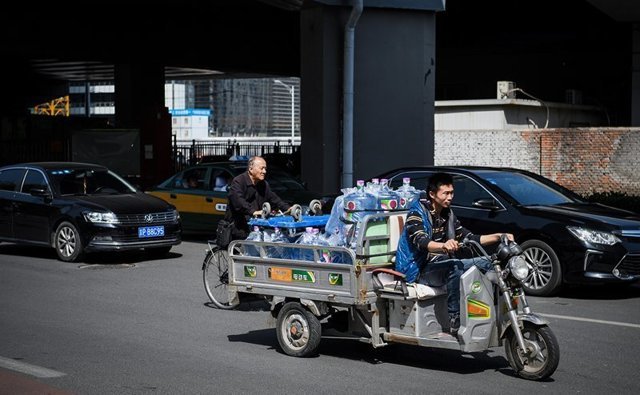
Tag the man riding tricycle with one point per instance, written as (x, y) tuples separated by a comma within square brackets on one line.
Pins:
[(363, 298)]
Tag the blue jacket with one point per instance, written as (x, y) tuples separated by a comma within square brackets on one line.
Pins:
[(409, 258)]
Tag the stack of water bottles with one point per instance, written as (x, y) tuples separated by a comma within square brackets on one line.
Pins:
[(343, 225), (375, 197), (273, 236)]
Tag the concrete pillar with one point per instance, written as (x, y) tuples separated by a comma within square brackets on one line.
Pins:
[(635, 76), (393, 92), (139, 100)]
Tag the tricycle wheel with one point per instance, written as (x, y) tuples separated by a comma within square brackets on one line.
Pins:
[(215, 273), (299, 331), (542, 355)]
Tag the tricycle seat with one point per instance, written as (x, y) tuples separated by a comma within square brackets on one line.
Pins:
[(390, 283)]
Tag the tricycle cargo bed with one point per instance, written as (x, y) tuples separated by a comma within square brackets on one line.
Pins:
[(308, 271)]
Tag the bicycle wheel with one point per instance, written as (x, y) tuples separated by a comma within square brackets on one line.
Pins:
[(215, 273)]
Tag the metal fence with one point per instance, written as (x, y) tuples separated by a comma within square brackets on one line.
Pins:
[(184, 153), (12, 151), (188, 153)]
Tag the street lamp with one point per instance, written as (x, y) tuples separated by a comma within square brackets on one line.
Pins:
[(291, 90)]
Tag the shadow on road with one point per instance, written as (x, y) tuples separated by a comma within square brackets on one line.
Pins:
[(398, 354), (262, 337), (126, 257), (255, 304), (414, 356), (197, 237), (29, 251), (110, 258), (602, 292)]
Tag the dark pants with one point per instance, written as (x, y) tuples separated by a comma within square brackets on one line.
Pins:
[(449, 271)]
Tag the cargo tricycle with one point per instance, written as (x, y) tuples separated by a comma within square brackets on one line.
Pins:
[(363, 298)]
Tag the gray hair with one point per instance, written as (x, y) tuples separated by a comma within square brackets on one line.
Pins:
[(252, 160)]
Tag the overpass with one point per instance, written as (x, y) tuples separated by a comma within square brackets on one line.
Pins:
[(547, 45), (140, 48)]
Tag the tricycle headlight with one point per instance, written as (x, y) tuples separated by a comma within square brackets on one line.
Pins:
[(100, 218), (593, 236), (519, 267)]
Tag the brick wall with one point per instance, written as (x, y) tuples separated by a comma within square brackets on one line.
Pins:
[(583, 160)]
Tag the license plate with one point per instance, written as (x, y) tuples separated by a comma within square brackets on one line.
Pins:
[(151, 231)]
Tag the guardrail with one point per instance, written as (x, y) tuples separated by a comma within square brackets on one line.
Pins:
[(189, 153)]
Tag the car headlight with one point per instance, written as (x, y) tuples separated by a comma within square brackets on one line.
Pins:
[(176, 215), (519, 267), (100, 218), (593, 236)]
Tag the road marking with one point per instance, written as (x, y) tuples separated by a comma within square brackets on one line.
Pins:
[(567, 317), (29, 369)]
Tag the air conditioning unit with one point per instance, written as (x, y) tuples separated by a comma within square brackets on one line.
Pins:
[(506, 90)]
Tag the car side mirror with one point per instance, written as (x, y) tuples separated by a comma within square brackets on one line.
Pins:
[(40, 192), (486, 203)]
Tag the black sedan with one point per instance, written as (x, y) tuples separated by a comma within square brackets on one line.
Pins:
[(565, 238), (78, 207)]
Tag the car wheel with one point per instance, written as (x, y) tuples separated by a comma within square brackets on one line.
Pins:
[(545, 277), (67, 242)]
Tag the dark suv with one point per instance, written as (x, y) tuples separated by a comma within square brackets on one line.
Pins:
[(78, 207), (565, 238)]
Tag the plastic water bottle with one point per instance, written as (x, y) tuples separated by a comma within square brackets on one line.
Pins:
[(307, 238), (357, 205), (387, 198), (334, 221), (335, 239), (255, 235), (373, 187), (276, 237), (407, 194), (325, 254)]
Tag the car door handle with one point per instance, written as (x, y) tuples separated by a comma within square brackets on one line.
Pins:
[(209, 200), (173, 196)]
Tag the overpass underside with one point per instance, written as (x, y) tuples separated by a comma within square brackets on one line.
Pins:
[(394, 70)]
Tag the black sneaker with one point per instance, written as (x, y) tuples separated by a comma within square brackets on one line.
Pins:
[(454, 323)]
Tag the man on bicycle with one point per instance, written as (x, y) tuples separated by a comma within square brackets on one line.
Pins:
[(247, 193)]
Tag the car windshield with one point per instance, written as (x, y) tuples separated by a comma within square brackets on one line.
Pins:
[(88, 182), (528, 191)]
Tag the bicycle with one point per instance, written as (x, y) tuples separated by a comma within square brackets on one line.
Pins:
[(215, 275)]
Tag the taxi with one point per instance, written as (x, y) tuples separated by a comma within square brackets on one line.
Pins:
[(199, 192)]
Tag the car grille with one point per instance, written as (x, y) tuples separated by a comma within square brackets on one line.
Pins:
[(148, 219), (630, 265)]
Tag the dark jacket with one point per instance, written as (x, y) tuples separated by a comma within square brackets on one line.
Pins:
[(246, 198)]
